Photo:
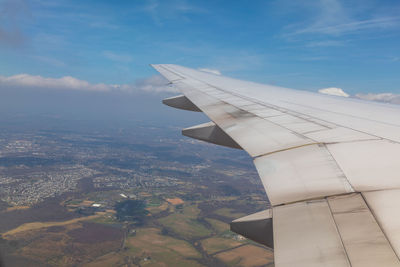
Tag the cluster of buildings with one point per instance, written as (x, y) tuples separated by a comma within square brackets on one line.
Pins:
[(34, 187)]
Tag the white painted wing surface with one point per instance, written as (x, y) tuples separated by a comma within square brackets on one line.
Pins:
[(330, 165)]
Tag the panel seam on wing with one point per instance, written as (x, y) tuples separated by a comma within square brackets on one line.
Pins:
[(286, 149), (337, 230), (340, 168)]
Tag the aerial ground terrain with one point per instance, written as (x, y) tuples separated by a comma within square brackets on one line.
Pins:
[(139, 196)]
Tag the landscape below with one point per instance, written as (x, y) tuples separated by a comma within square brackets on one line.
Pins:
[(134, 196)]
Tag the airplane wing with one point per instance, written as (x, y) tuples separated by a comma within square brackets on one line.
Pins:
[(329, 165)]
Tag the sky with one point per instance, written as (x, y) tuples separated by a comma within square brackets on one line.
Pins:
[(105, 47)]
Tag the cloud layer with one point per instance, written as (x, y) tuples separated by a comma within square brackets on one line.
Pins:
[(67, 82), (383, 97), (154, 84), (380, 97)]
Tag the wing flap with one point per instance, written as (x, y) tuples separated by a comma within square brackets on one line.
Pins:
[(385, 206), (365, 243), (336, 231), (305, 235)]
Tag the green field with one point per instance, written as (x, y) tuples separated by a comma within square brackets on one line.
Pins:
[(185, 224)]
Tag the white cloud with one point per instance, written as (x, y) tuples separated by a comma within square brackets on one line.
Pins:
[(66, 82), (383, 97), (213, 71), (154, 84), (336, 18), (351, 27), (333, 91)]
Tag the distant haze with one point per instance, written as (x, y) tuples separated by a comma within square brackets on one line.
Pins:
[(101, 106)]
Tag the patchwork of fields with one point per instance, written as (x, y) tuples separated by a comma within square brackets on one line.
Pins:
[(187, 233)]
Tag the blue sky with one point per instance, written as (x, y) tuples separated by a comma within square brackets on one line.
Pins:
[(354, 45)]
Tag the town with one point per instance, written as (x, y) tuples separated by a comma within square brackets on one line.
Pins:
[(60, 181)]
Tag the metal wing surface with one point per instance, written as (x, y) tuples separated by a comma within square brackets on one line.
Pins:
[(329, 165)]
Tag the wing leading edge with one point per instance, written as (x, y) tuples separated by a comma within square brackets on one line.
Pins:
[(330, 176)]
